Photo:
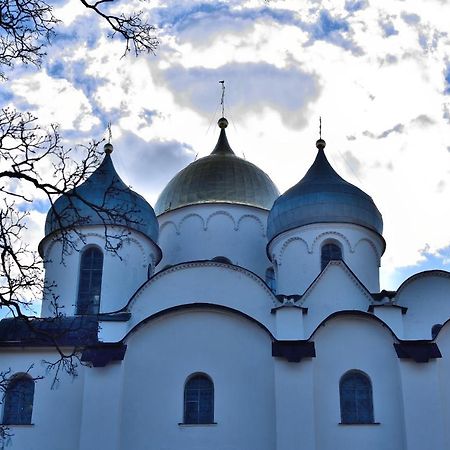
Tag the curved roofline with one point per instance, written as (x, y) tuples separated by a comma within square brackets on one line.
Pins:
[(440, 329), (366, 315), (102, 198), (214, 178), (55, 232), (322, 195), (317, 223), (218, 202), (424, 273), (196, 306), (335, 315), (200, 262)]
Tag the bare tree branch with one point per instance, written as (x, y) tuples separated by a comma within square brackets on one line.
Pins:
[(138, 34), (27, 27)]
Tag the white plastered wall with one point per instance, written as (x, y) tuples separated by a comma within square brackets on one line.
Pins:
[(297, 254), (346, 343), (427, 297), (56, 416), (193, 283), (323, 299), (205, 231), (123, 271), (161, 355)]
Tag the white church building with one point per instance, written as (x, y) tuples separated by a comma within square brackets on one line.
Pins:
[(230, 317)]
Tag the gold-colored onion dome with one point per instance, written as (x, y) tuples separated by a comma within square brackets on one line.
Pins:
[(221, 177)]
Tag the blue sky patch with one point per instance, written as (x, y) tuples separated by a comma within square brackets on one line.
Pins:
[(355, 5), (334, 30), (5, 96), (440, 261), (328, 25), (388, 28), (410, 18), (40, 204), (447, 80)]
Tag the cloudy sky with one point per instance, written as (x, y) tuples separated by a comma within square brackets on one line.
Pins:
[(378, 72)]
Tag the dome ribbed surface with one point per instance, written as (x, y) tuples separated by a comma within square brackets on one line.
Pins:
[(221, 177), (322, 196), (117, 203)]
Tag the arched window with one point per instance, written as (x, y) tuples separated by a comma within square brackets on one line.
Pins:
[(90, 284), (355, 390), (435, 330), (270, 279), (18, 401), (199, 400), (330, 252), (221, 259)]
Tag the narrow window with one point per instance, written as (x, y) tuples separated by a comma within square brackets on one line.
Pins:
[(90, 284), (330, 252), (199, 400), (18, 401), (355, 390), (149, 271), (221, 259), (270, 279)]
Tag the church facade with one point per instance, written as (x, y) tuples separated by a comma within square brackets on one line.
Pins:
[(229, 317)]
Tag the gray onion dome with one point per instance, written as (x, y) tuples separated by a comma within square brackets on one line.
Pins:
[(221, 177), (322, 196), (113, 203)]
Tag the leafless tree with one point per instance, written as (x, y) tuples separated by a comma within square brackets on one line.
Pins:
[(35, 166), (138, 34), (27, 27)]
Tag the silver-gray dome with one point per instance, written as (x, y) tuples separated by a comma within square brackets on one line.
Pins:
[(322, 196), (114, 202), (221, 177)]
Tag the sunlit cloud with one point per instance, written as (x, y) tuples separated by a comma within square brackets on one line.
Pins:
[(377, 72)]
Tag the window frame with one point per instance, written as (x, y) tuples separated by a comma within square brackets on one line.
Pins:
[(20, 412), (209, 420), (89, 307), (337, 245), (271, 280), (356, 417)]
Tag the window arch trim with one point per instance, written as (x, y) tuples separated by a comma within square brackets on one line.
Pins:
[(18, 400), (198, 400), (90, 277), (330, 250), (356, 398)]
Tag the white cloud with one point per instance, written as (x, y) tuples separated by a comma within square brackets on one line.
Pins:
[(393, 88), (55, 101)]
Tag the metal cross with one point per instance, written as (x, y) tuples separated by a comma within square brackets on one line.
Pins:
[(222, 100)]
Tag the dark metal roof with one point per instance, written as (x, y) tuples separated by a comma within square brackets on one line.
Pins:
[(378, 296), (221, 177), (117, 203), (62, 331), (418, 351), (323, 196)]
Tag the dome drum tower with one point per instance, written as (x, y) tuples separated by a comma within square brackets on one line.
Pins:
[(216, 208), (110, 233), (324, 217)]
